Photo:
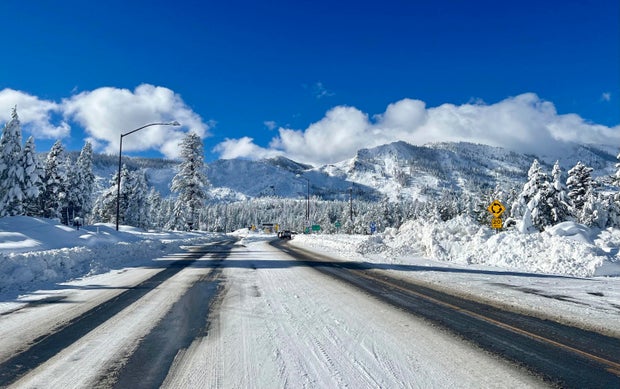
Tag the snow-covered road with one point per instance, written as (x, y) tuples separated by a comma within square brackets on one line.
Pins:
[(276, 323), (285, 325)]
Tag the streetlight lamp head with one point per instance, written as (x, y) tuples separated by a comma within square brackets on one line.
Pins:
[(174, 123)]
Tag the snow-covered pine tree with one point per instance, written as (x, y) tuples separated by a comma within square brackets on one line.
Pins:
[(190, 183), (33, 179), (154, 209), (83, 187), (54, 196), (12, 173), (104, 209), (578, 182), (125, 194), (558, 200), (595, 211), (531, 206), (136, 213)]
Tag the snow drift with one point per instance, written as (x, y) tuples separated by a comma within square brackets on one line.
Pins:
[(566, 249)]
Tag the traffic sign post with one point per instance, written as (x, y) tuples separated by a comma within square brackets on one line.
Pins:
[(496, 209)]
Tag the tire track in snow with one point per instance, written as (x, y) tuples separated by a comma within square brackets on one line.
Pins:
[(561, 354), (94, 324)]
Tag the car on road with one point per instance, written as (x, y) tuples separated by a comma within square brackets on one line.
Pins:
[(286, 234)]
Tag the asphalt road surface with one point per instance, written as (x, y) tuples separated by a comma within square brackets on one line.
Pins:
[(563, 355), (239, 314)]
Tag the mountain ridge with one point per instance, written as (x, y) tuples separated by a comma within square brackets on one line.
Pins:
[(395, 171)]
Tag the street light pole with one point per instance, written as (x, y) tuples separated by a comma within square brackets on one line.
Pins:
[(120, 152), (351, 204)]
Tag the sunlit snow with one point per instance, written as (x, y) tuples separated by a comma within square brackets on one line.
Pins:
[(521, 270)]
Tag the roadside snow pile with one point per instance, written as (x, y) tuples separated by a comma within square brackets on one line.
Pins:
[(567, 248), (35, 253), (347, 245)]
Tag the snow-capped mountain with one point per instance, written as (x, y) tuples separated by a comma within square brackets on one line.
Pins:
[(402, 170), (395, 170)]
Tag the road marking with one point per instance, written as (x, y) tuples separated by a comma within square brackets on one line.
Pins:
[(613, 367)]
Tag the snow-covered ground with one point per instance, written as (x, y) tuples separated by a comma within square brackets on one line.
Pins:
[(570, 271), (285, 325), (38, 253)]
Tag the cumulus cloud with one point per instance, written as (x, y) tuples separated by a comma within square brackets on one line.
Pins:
[(523, 123), (107, 112), (244, 148), (35, 115)]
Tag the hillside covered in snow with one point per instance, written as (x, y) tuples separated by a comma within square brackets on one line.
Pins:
[(395, 171)]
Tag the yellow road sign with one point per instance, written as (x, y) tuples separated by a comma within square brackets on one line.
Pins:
[(496, 223), (496, 208)]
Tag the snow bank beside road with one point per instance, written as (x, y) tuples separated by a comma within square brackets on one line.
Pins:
[(566, 249), (506, 269), (36, 253)]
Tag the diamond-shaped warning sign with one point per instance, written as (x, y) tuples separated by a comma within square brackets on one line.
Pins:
[(496, 208)]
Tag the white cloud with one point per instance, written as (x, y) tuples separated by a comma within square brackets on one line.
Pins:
[(270, 124), (523, 123), (321, 91), (107, 112), (243, 148), (34, 114), (341, 130), (606, 96)]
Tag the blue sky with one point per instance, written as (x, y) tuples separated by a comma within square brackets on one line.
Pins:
[(311, 80)]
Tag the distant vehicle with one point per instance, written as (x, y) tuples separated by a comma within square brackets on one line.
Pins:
[(286, 234)]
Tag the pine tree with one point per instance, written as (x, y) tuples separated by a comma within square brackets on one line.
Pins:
[(190, 182), (33, 179), (82, 182), (578, 182), (154, 209), (595, 211), (104, 209), (12, 175), (532, 206), (54, 197), (135, 193), (558, 200), (125, 194)]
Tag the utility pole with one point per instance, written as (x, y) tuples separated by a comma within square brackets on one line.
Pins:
[(351, 203)]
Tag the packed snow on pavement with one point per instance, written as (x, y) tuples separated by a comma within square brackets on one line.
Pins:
[(569, 271), (574, 279), (277, 325)]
